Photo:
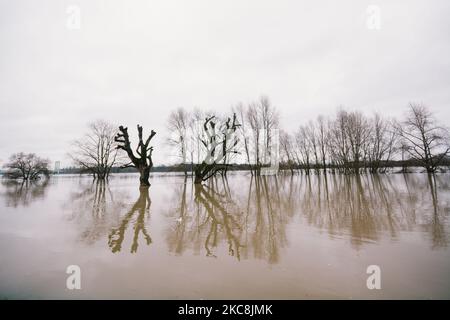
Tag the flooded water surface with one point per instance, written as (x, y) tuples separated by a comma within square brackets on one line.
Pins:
[(283, 237)]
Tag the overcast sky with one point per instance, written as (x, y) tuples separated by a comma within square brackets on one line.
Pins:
[(133, 61)]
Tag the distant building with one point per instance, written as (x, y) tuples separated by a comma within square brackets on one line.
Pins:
[(57, 167)]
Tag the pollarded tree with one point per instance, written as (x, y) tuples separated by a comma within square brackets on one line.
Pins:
[(143, 161), (427, 142), (26, 166), (218, 142)]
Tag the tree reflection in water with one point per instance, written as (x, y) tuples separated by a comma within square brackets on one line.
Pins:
[(139, 211), (247, 217), (367, 207), (23, 193), (100, 212), (96, 209), (250, 216), (437, 221), (251, 223)]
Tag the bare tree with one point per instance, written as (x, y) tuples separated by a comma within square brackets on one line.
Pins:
[(218, 141), (143, 162), (239, 110), (96, 152), (254, 120), (177, 124), (322, 136), (311, 135), (304, 148), (404, 150), (427, 142), (287, 149), (26, 166), (338, 141), (193, 132), (383, 142), (270, 120), (262, 119), (358, 133)]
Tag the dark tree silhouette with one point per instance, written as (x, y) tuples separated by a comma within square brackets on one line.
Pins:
[(218, 143), (143, 162), (26, 166)]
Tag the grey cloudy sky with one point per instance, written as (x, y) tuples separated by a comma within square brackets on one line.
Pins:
[(133, 61)]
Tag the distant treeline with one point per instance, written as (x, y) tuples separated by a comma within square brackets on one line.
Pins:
[(245, 167), (172, 168)]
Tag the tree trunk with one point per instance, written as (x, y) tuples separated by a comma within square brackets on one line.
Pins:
[(144, 162), (144, 176), (198, 180), (200, 172)]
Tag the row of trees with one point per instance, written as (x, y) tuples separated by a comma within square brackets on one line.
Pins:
[(207, 143), (351, 141), (347, 142), (97, 152)]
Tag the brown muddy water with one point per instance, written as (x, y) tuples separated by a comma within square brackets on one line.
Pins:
[(285, 237)]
